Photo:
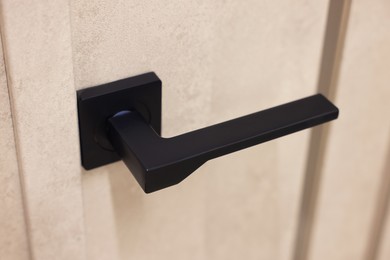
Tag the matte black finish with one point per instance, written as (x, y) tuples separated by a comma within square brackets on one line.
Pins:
[(97, 104), (158, 162)]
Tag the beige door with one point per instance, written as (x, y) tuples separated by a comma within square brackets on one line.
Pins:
[(320, 194)]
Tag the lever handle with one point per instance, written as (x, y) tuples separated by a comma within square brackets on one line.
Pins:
[(158, 162), (122, 120)]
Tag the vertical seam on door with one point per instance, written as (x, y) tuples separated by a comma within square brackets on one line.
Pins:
[(333, 45), (380, 215), (75, 88), (16, 139)]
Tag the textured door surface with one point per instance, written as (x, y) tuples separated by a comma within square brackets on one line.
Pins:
[(13, 236), (319, 194), (217, 60)]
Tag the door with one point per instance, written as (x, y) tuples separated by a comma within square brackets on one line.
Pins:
[(318, 194)]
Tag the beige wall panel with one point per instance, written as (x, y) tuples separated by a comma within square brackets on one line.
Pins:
[(39, 62), (13, 232), (384, 248), (357, 147), (102, 242), (217, 60), (383, 231)]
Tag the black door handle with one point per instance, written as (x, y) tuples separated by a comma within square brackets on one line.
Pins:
[(158, 162)]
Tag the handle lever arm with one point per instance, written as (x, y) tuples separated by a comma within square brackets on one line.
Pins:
[(158, 162)]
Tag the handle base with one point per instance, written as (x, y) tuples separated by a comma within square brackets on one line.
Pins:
[(97, 104)]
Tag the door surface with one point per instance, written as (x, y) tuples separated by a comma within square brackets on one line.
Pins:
[(318, 194)]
